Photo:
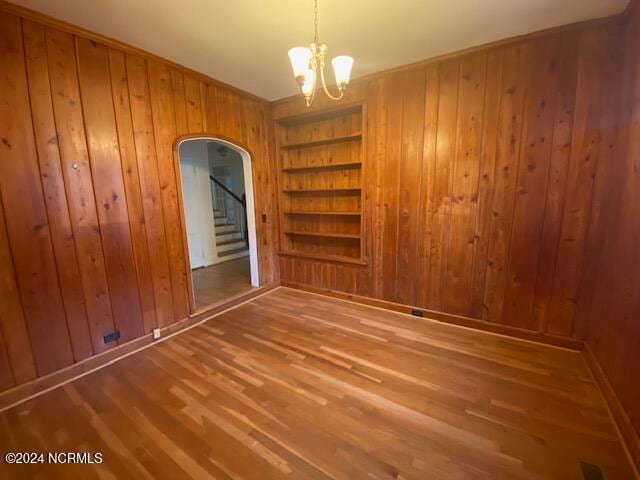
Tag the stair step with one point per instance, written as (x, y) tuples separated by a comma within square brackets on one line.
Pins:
[(228, 242), (226, 229), (231, 245), (223, 237), (230, 232), (231, 252)]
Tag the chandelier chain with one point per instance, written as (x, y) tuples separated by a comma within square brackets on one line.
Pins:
[(315, 14)]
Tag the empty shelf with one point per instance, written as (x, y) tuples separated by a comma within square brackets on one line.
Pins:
[(346, 214), (321, 190), (327, 235), (325, 141), (321, 256), (326, 166)]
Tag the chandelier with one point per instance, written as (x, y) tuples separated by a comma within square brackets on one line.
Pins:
[(308, 62)]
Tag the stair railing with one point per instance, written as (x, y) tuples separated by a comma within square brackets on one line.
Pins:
[(221, 189)]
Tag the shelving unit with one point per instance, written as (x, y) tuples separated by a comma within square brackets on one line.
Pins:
[(354, 214), (324, 167), (313, 190), (320, 159), (324, 235), (328, 258), (324, 141)]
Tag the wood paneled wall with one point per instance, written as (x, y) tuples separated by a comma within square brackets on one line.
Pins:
[(480, 172), (90, 223), (500, 184), (611, 306)]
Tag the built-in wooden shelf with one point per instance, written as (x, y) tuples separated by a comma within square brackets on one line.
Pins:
[(346, 214), (321, 190), (321, 159), (321, 256), (329, 113), (324, 141), (326, 235), (326, 166)]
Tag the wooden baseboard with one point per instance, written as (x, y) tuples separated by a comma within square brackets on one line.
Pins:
[(627, 432), (40, 385), (460, 320)]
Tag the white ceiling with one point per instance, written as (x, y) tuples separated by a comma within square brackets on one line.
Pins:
[(245, 42)]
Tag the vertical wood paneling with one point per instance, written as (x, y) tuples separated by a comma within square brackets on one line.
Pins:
[(483, 192), (179, 102), (194, 104), (54, 190), (605, 194), (6, 375), (432, 95), (90, 233), (611, 307), (24, 208), (270, 223), (464, 195), (150, 187), (487, 173), (472, 225), (378, 155), (413, 88), (365, 279), (131, 178), (507, 155), (531, 183), (210, 110), (12, 322), (79, 184), (556, 183), (390, 184), (228, 116), (104, 154), (263, 183), (582, 167), (164, 127), (440, 214)]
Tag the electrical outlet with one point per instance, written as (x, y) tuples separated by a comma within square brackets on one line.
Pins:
[(156, 333)]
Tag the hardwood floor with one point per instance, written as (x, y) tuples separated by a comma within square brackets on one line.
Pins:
[(218, 282), (296, 385)]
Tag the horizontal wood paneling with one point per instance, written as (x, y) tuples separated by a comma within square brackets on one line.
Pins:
[(485, 166), (90, 223)]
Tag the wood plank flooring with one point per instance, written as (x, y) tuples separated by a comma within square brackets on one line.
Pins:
[(219, 282), (296, 385)]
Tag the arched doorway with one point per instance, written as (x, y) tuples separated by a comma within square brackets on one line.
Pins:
[(218, 212)]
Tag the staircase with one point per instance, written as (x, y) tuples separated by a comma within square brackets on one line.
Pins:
[(230, 242), (229, 215)]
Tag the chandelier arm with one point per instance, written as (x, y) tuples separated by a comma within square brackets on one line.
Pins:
[(324, 84), (315, 87)]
